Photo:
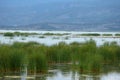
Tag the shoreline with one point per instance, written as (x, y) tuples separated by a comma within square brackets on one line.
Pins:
[(39, 31)]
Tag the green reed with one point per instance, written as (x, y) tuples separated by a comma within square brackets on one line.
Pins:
[(85, 57)]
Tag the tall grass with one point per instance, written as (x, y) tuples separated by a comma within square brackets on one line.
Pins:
[(37, 60), (11, 59), (87, 57)]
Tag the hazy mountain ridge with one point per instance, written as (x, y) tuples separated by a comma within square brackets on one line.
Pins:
[(85, 14), (66, 27)]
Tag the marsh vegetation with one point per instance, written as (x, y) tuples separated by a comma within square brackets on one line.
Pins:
[(107, 35), (84, 57), (90, 34), (17, 33), (42, 53)]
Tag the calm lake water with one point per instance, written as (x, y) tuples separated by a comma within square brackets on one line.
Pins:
[(64, 72), (50, 40)]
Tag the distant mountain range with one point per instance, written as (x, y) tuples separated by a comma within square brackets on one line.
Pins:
[(78, 15)]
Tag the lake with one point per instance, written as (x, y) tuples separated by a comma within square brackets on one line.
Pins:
[(55, 39)]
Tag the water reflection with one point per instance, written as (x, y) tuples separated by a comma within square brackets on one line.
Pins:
[(76, 76), (89, 77), (70, 75), (24, 74), (65, 73), (111, 76)]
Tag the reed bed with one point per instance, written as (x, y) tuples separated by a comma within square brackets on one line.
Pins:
[(11, 34), (90, 34), (107, 35), (87, 57)]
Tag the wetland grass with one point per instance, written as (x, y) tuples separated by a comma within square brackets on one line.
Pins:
[(12, 34), (9, 34), (107, 35), (56, 34), (117, 34), (90, 34), (41, 36), (86, 57)]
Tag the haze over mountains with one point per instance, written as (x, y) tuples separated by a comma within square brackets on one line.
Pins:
[(81, 15)]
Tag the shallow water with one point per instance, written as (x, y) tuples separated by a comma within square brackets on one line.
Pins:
[(64, 72), (76, 76), (50, 40)]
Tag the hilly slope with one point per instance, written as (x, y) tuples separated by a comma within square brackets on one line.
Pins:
[(84, 15)]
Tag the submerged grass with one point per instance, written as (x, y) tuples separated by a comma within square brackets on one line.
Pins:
[(87, 57)]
